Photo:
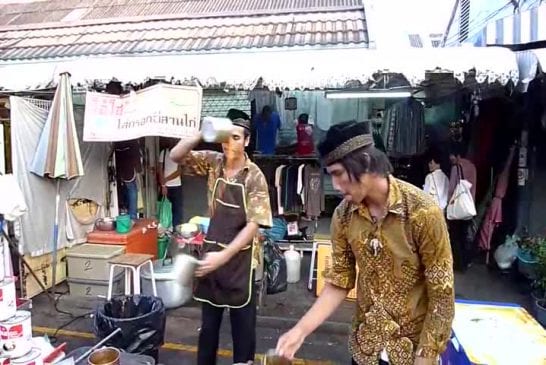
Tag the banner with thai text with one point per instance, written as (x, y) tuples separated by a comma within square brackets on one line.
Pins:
[(161, 110)]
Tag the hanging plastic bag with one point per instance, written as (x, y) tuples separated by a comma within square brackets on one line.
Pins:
[(275, 267), (165, 213), (461, 205)]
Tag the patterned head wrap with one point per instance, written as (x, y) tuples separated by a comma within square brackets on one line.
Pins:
[(239, 118), (343, 139)]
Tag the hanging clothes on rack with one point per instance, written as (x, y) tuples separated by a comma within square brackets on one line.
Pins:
[(313, 191), (404, 129), (295, 184)]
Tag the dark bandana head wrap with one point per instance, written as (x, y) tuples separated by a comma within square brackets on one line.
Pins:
[(344, 138)]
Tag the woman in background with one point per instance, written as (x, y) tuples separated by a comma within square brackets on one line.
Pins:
[(436, 182)]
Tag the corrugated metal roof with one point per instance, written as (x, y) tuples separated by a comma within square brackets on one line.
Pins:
[(188, 35), (58, 10)]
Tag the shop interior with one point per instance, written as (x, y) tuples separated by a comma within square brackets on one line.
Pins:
[(481, 117)]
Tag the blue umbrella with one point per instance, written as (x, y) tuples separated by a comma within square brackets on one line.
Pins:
[(58, 154)]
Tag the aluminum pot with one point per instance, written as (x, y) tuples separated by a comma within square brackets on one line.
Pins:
[(173, 293), (104, 356), (105, 224), (216, 130)]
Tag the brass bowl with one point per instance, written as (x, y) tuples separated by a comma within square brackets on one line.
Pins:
[(104, 356)]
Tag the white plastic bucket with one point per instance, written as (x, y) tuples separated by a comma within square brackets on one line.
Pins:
[(8, 302), (16, 335)]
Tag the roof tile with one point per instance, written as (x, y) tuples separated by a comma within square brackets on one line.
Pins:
[(196, 35)]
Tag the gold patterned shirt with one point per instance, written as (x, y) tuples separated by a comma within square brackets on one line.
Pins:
[(405, 294), (211, 165)]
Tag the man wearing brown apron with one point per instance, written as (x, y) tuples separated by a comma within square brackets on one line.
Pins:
[(239, 204)]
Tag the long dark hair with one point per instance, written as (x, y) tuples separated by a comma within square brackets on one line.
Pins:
[(366, 160)]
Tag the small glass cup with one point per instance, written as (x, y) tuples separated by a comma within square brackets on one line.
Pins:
[(271, 358)]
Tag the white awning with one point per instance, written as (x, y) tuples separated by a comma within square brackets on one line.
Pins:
[(285, 68)]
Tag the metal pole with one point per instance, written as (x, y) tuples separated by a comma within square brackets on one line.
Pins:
[(55, 238)]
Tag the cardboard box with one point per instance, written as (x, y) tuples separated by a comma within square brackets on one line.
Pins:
[(324, 262), (42, 266)]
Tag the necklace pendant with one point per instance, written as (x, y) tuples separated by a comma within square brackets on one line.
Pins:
[(375, 246)]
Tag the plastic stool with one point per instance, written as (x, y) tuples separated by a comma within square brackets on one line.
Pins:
[(131, 263)]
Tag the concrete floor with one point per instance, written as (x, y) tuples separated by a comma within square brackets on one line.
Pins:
[(327, 345)]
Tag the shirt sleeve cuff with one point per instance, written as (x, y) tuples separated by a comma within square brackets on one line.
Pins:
[(262, 223), (427, 353), (341, 281)]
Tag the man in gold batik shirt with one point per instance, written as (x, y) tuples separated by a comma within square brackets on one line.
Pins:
[(397, 237)]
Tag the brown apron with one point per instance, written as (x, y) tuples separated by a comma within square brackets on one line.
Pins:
[(230, 285)]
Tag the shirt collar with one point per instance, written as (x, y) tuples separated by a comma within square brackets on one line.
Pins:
[(245, 167), (394, 199)]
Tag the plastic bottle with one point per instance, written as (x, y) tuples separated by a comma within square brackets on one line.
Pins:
[(293, 265)]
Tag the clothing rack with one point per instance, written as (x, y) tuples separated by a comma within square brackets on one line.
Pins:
[(299, 244)]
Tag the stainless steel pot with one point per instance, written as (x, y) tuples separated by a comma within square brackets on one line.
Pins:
[(105, 224), (173, 293), (216, 130)]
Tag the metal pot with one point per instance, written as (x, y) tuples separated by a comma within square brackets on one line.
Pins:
[(173, 293), (216, 130), (104, 356), (105, 224)]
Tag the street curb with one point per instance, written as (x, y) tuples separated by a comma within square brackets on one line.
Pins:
[(273, 322), (281, 323)]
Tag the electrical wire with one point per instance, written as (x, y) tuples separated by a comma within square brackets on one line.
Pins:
[(54, 339), (60, 310), (73, 318), (477, 25)]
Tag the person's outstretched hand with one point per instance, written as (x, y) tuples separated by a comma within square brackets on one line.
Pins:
[(290, 343)]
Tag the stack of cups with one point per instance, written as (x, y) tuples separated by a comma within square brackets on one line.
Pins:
[(15, 326)]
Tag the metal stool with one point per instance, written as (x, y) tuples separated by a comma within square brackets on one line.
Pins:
[(312, 265), (131, 263)]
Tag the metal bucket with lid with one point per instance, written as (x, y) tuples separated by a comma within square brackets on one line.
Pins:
[(16, 335), (8, 299)]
